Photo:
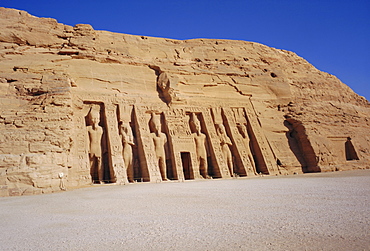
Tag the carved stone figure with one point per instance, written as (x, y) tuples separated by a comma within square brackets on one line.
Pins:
[(225, 143), (242, 128), (95, 133), (200, 146), (168, 87), (159, 140), (127, 139)]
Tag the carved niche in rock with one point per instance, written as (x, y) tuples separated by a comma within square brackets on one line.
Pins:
[(127, 139), (95, 141)]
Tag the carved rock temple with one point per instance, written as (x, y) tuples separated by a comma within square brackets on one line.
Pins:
[(80, 106)]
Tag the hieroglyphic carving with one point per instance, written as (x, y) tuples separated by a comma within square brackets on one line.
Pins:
[(217, 116), (176, 129), (178, 166), (176, 120), (80, 135), (181, 140), (125, 112), (80, 166)]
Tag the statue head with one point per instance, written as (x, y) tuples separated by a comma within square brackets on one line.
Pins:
[(242, 129), (122, 126), (194, 123), (163, 81), (94, 117), (155, 122), (197, 126), (221, 129)]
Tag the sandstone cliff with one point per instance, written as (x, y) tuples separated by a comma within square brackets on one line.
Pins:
[(260, 109)]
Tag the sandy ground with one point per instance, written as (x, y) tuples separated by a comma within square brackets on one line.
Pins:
[(329, 211)]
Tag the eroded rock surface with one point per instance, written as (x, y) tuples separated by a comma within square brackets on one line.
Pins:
[(260, 110)]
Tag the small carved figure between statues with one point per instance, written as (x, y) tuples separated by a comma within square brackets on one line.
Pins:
[(225, 144), (127, 139), (242, 128)]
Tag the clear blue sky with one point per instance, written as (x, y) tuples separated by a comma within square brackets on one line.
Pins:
[(333, 35)]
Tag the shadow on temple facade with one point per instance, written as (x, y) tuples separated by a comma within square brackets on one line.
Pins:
[(301, 146)]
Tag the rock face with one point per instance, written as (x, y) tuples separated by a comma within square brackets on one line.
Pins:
[(79, 106)]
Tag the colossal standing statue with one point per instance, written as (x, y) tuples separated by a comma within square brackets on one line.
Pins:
[(95, 133), (159, 140), (200, 146)]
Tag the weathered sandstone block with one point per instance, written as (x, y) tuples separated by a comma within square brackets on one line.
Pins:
[(79, 106)]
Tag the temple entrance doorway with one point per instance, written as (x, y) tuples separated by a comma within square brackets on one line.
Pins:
[(186, 165)]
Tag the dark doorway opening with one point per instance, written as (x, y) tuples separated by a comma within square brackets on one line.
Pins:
[(186, 165), (351, 153)]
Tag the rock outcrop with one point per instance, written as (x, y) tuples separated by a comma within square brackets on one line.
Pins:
[(163, 109)]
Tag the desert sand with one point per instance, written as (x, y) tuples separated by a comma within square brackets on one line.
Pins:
[(328, 211)]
